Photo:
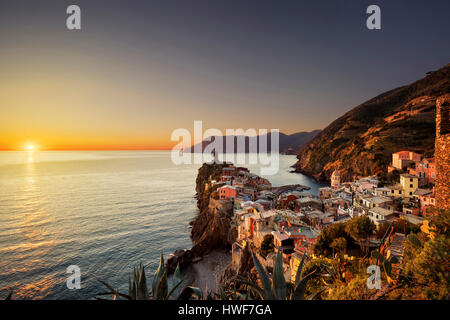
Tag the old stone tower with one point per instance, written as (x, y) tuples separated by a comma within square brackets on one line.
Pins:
[(442, 152)]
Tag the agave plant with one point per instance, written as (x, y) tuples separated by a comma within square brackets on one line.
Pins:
[(387, 262), (138, 289), (276, 288)]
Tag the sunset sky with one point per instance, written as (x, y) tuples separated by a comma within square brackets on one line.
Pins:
[(140, 69)]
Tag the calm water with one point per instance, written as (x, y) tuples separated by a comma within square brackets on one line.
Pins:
[(103, 211)]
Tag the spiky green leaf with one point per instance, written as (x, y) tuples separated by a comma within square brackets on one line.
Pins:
[(188, 292), (298, 275), (268, 294), (377, 255), (279, 282), (387, 268), (163, 288), (158, 275)]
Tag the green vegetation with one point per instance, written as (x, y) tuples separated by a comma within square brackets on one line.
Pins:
[(339, 244), (361, 228), (326, 238), (267, 245), (423, 272), (426, 273), (277, 288), (339, 236), (138, 290)]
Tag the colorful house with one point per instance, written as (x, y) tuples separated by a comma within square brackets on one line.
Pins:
[(402, 159), (325, 193), (409, 184), (227, 192), (379, 215), (426, 199), (229, 171), (426, 171), (287, 199)]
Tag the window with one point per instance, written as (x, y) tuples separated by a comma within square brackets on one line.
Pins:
[(410, 186), (410, 180), (410, 193)]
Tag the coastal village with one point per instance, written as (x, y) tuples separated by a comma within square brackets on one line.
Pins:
[(381, 219), (290, 218)]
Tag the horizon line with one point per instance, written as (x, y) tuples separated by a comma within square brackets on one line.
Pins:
[(92, 149)]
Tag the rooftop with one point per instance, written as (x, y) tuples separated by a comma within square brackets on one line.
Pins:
[(412, 218), (407, 175), (381, 211), (423, 192), (227, 187), (397, 186)]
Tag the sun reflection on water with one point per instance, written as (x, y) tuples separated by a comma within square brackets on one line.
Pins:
[(33, 236)]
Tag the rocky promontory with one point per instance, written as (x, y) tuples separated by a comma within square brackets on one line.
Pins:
[(211, 228)]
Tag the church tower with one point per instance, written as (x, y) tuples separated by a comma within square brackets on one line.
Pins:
[(335, 179)]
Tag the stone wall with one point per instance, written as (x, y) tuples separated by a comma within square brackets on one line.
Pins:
[(442, 152)]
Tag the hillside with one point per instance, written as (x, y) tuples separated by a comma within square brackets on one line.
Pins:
[(361, 142), (289, 144)]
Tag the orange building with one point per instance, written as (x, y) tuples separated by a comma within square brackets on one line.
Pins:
[(227, 193)]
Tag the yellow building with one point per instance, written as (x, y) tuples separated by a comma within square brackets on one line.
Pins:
[(396, 191), (409, 184)]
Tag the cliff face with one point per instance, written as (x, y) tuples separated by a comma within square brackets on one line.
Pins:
[(361, 142), (212, 228)]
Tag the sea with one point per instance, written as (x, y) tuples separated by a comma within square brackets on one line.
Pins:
[(101, 211)]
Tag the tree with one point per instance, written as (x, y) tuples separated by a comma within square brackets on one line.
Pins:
[(381, 230), (339, 244), (267, 245), (361, 228), (426, 262), (326, 237)]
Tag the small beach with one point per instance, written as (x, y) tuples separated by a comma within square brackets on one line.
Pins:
[(205, 274)]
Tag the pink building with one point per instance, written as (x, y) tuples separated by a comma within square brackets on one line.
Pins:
[(401, 160), (426, 171), (426, 201)]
